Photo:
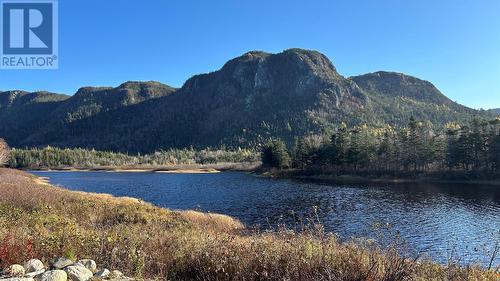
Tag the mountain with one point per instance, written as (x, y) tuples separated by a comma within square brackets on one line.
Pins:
[(397, 97), (41, 118), (23, 113), (495, 111), (250, 99)]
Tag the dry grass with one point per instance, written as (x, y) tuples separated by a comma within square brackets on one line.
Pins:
[(39, 220)]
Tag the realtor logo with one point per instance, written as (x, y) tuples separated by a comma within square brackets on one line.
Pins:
[(29, 34)]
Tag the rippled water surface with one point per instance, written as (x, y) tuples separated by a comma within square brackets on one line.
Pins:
[(440, 220)]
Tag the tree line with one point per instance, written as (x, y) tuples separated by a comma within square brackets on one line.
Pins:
[(52, 157), (419, 147)]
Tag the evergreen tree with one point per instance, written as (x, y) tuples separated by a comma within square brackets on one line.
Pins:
[(339, 144), (477, 143), (494, 144), (308, 150), (275, 154), (387, 150), (495, 152)]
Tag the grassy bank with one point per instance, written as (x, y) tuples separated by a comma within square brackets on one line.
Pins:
[(39, 220)]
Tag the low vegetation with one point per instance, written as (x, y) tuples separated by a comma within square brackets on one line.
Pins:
[(469, 151), (43, 221), (4, 152), (54, 158)]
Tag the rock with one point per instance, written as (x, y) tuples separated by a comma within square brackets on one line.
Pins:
[(18, 279), (62, 263), (116, 274), (89, 264), (35, 273), (78, 273), (54, 275), (33, 265), (103, 273), (14, 270)]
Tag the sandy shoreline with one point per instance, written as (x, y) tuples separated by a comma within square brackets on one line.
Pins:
[(124, 170), (171, 169)]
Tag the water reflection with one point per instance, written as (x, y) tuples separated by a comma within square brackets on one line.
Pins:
[(442, 220)]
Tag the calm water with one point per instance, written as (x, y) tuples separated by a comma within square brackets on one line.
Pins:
[(439, 220)]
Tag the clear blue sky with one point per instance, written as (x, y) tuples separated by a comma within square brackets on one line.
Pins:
[(455, 44)]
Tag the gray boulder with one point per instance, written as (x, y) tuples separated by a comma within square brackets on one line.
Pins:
[(62, 263), (116, 274), (78, 273), (54, 275), (89, 264), (34, 274), (103, 273), (33, 265), (14, 270)]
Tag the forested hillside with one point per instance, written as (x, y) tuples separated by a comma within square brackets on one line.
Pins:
[(251, 99)]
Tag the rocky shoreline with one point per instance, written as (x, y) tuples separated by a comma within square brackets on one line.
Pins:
[(62, 269)]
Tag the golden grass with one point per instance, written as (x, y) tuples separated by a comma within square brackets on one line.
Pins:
[(39, 220)]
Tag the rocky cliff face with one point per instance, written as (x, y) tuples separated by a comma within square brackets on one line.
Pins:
[(259, 95)]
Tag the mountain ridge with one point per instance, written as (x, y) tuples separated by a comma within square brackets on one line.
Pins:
[(251, 98), (495, 111)]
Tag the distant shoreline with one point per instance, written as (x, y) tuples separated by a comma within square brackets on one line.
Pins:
[(174, 169), (133, 170), (356, 179), (278, 174)]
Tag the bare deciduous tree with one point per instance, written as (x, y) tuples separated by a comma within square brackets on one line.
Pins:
[(4, 152)]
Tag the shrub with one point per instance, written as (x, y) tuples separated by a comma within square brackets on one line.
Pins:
[(4, 152)]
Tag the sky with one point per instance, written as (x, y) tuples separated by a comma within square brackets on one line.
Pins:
[(455, 44)]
